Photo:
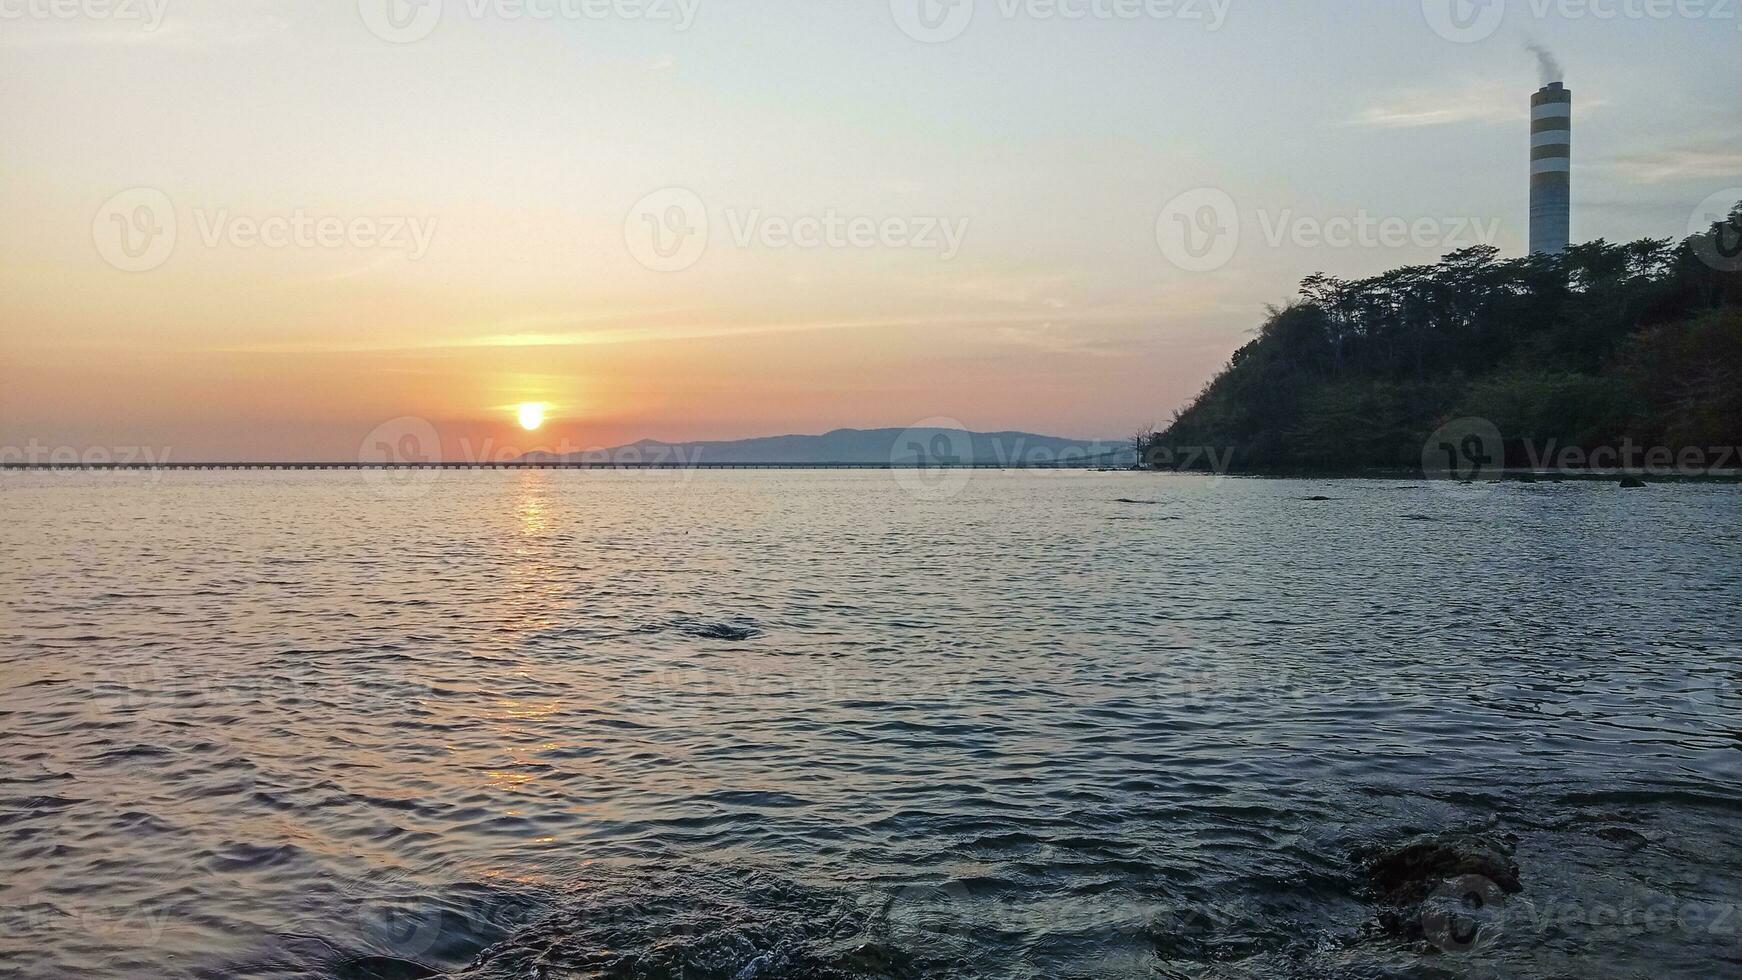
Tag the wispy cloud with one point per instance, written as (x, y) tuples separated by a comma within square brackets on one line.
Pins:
[(1705, 160), (507, 336), (1474, 103), (1058, 338), (1470, 104)]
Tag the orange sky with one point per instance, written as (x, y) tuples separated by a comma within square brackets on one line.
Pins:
[(368, 228)]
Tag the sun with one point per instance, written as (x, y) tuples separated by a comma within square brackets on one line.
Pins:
[(531, 415)]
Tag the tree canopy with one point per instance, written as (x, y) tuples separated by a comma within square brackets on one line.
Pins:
[(1639, 341)]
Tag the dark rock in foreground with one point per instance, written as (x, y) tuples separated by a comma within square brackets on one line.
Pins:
[(1409, 874), (721, 631), (382, 968), (1416, 879)]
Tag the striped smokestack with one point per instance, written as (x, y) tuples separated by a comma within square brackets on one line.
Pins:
[(1551, 169)]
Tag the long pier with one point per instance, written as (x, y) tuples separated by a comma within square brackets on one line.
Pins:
[(1070, 464)]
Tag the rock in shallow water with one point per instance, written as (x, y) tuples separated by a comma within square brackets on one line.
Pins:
[(382, 968), (1414, 879), (721, 631), (1409, 873)]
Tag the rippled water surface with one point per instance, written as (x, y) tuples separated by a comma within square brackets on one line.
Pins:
[(755, 725)]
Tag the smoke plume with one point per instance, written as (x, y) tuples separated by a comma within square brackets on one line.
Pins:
[(1547, 65)]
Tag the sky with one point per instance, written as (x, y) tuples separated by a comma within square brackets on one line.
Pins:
[(266, 229)]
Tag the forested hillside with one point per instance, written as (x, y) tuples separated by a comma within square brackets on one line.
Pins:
[(1609, 343)]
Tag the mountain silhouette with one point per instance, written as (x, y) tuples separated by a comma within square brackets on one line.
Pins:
[(896, 447)]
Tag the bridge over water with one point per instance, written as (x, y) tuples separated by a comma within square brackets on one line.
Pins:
[(1087, 463)]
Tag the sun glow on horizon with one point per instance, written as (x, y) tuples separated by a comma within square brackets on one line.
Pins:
[(531, 416)]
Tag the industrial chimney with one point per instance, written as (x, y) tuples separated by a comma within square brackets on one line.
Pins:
[(1551, 169)]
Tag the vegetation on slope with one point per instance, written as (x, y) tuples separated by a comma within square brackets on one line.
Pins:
[(1609, 345)]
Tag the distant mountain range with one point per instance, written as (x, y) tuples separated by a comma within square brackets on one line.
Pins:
[(896, 447)]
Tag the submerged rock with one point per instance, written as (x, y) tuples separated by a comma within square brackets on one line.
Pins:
[(707, 923), (1428, 883), (722, 631), (713, 629), (1409, 873), (382, 968)]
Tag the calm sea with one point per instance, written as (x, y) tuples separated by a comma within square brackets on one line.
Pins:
[(812, 724)]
